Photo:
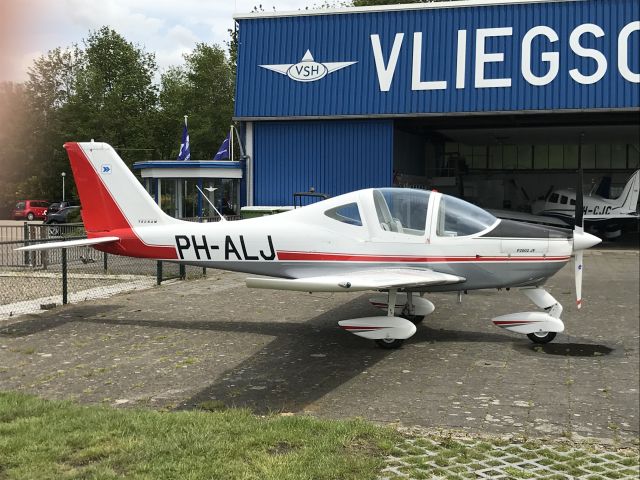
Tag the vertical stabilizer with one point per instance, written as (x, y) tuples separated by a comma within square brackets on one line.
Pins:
[(112, 198), (628, 201)]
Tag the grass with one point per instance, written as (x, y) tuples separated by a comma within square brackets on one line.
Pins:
[(51, 439)]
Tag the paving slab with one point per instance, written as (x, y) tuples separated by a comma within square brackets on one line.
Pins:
[(176, 346)]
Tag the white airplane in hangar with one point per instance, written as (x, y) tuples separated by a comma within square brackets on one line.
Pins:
[(601, 214), (401, 243)]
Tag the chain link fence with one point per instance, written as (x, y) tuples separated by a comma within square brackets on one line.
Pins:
[(34, 281)]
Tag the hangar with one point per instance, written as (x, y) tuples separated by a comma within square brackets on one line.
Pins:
[(491, 100)]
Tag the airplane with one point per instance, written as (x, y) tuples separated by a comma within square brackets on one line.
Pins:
[(600, 214), (401, 243)]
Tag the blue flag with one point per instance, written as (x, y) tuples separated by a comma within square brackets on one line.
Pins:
[(185, 152), (223, 151)]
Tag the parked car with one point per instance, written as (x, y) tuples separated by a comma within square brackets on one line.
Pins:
[(30, 209), (65, 215), (55, 206)]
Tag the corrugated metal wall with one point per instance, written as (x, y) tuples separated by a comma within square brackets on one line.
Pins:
[(355, 90), (334, 157)]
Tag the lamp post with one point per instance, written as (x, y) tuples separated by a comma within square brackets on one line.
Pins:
[(63, 174)]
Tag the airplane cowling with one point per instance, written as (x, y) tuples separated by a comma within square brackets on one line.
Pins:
[(422, 306), (379, 328), (529, 322)]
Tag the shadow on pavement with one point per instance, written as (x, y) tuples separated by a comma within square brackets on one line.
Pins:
[(303, 362)]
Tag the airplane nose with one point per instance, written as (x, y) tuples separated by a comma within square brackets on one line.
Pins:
[(584, 240)]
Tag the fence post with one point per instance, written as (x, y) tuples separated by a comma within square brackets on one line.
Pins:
[(104, 261), (204, 271), (159, 272), (64, 277), (183, 271), (25, 236)]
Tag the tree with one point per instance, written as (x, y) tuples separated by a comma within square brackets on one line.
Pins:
[(50, 87), (203, 90), (114, 95), (15, 153), (375, 3)]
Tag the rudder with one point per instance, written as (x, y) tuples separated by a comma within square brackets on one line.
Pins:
[(628, 200), (112, 198)]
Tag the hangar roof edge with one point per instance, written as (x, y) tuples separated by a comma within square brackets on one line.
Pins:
[(387, 8)]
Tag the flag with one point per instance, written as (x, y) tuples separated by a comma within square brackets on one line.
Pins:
[(223, 151), (185, 152)]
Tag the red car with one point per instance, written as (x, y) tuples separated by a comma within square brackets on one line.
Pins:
[(30, 209)]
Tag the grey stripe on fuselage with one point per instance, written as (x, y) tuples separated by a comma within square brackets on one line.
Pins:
[(478, 275)]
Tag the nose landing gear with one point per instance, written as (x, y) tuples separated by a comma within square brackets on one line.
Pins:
[(540, 327)]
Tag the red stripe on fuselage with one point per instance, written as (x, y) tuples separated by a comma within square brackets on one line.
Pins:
[(352, 257), (102, 216), (515, 322)]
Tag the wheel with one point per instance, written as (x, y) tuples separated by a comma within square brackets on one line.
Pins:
[(415, 319), (541, 337), (389, 343), (30, 216)]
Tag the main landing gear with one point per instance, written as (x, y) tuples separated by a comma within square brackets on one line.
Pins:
[(540, 327), (389, 331)]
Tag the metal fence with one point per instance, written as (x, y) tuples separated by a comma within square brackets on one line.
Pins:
[(36, 281)]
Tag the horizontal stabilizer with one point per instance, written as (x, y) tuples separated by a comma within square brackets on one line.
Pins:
[(68, 244), (361, 280)]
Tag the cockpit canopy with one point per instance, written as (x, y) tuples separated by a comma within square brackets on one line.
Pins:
[(404, 211), (457, 218)]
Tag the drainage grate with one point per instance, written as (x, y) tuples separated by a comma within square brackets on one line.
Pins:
[(446, 457)]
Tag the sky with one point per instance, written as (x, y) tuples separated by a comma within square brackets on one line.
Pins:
[(168, 28)]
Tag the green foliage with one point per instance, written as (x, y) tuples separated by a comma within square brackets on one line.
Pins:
[(42, 439), (203, 90), (107, 89), (375, 3), (115, 95)]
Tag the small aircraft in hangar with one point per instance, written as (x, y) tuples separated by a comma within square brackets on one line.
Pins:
[(601, 214), (401, 243)]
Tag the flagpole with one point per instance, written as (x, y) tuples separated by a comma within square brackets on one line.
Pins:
[(231, 140)]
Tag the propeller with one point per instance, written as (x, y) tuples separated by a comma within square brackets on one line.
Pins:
[(581, 239)]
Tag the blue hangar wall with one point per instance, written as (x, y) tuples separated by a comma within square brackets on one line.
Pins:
[(321, 90)]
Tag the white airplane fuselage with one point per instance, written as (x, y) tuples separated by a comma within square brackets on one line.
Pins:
[(397, 241), (305, 243)]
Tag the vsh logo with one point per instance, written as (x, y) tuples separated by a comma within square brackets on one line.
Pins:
[(307, 69)]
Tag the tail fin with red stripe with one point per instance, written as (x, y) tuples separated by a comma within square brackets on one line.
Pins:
[(112, 198)]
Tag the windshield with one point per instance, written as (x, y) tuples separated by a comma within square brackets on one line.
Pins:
[(401, 210), (458, 218)]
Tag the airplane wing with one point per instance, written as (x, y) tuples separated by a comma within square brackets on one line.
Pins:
[(69, 243), (360, 280)]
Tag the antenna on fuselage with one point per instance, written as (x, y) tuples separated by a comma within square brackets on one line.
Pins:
[(211, 189)]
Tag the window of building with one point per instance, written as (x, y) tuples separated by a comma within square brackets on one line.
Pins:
[(525, 157), (563, 200), (633, 155), (554, 198), (603, 156), (543, 157), (348, 214)]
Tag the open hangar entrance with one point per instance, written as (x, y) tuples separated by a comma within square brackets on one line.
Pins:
[(508, 161)]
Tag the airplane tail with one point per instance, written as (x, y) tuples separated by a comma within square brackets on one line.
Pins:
[(112, 198), (628, 201)]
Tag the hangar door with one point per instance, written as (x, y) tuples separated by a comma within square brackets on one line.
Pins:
[(332, 156)]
